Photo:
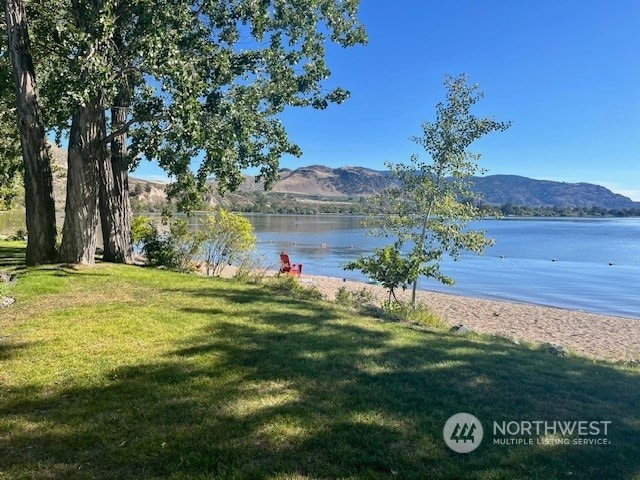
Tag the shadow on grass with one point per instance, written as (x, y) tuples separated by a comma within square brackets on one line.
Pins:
[(300, 390), (12, 255)]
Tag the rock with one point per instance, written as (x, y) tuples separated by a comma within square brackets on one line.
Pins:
[(8, 277), (7, 301), (557, 350), (460, 330)]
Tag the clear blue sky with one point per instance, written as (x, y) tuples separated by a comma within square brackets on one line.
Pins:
[(566, 73)]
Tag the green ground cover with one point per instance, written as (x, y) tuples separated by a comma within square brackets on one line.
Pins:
[(130, 372)]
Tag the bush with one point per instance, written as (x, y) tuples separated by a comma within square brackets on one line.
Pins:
[(353, 299), (252, 269), (141, 229), (176, 249), (289, 285), (420, 315), (19, 236), (226, 238)]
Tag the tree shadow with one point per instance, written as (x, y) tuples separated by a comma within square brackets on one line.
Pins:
[(12, 256), (306, 391)]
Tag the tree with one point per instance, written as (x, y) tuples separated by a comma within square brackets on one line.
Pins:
[(11, 167), (197, 80), (433, 204), (226, 237), (38, 179)]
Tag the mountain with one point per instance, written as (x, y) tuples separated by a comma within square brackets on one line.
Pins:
[(522, 191), (316, 183), (322, 181)]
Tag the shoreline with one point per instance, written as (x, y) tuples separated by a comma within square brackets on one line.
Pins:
[(592, 335), (589, 334)]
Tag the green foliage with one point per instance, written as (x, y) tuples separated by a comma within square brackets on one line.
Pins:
[(343, 297), (225, 237), (158, 249), (252, 268), (10, 151), (176, 249), (289, 285), (205, 80), (433, 204), (141, 229), (388, 267), (419, 314), (353, 299)]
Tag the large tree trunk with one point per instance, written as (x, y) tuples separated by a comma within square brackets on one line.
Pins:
[(86, 152), (115, 209), (38, 180)]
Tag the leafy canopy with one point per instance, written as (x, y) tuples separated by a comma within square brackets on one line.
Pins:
[(206, 81)]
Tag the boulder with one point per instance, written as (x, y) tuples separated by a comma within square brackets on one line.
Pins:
[(557, 350), (7, 301), (460, 330), (8, 277)]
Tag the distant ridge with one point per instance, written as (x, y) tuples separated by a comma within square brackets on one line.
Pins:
[(523, 191), (318, 180)]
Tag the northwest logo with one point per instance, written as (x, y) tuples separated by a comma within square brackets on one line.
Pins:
[(463, 432)]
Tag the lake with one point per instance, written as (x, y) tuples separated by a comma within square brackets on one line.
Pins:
[(584, 263)]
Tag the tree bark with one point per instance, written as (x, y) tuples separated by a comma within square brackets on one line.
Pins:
[(115, 209), (86, 152), (38, 179)]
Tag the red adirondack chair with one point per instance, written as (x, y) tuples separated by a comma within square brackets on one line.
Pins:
[(287, 267)]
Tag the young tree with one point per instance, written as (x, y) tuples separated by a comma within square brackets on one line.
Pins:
[(226, 237), (433, 204), (38, 179)]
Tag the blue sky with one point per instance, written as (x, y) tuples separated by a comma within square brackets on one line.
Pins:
[(564, 72)]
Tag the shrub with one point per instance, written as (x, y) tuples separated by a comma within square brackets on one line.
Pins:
[(343, 297), (19, 236), (226, 237), (420, 315), (176, 249), (289, 285), (353, 299), (252, 268), (141, 229)]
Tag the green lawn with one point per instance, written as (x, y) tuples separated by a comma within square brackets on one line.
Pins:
[(129, 372)]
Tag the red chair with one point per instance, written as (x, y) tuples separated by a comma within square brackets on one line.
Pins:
[(287, 267)]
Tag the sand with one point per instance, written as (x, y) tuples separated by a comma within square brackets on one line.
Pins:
[(586, 334)]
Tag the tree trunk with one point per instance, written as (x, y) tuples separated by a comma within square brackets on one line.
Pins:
[(115, 209), (38, 179), (86, 152)]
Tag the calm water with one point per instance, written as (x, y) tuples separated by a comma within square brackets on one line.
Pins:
[(519, 267)]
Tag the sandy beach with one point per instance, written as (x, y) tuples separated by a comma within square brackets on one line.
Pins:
[(587, 334)]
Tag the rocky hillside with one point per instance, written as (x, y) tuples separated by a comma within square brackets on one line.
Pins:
[(324, 181), (496, 189), (522, 191)]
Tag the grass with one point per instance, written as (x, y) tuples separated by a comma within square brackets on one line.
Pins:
[(128, 372)]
